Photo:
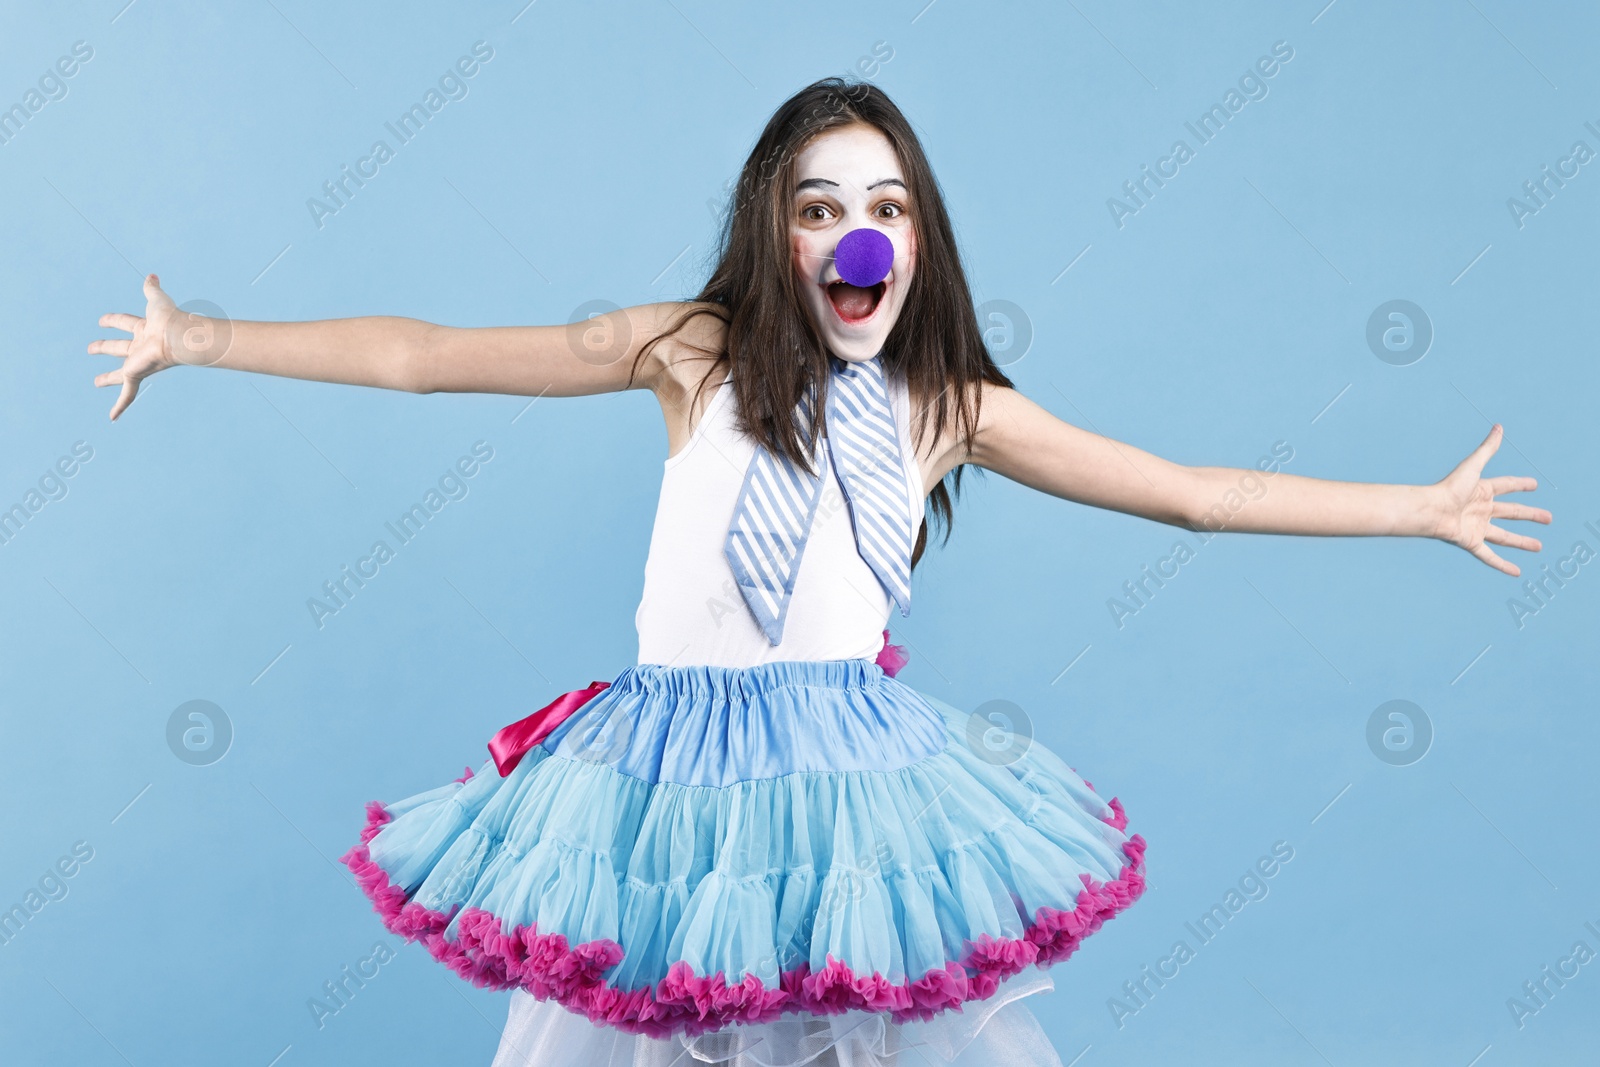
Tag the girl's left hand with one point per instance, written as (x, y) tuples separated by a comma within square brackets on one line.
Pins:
[(1467, 503)]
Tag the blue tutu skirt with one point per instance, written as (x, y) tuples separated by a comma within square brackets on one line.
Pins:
[(699, 847)]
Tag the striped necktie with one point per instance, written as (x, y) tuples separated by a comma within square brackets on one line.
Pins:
[(778, 500)]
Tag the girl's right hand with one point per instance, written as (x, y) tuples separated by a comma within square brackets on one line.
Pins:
[(154, 347)]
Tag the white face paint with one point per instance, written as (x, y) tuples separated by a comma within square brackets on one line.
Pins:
[(846, 179)]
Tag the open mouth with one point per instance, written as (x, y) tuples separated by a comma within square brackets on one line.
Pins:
[(855, 304)]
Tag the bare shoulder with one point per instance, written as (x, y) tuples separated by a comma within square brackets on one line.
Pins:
[(684, 361), (941, 449)]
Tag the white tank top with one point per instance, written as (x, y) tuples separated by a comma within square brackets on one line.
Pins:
[(692, 613)]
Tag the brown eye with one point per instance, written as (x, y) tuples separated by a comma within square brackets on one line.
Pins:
[(895, 209)]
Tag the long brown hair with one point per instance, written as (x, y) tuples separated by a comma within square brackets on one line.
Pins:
[(935, 344)]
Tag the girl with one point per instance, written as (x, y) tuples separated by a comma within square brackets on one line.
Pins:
[(755, 846)]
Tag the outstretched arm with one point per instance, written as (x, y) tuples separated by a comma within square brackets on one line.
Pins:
[(1019, 439), (387, 352)]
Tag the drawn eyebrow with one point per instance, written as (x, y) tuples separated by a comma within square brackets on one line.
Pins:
[(820, 183)]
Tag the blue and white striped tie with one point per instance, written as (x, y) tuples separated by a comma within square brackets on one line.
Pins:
[(776, 505)]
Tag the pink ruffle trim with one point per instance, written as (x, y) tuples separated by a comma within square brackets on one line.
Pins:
[(550, 968), (891, 657), (1119, 818)]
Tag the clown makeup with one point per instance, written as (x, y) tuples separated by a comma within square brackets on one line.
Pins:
[(846, 179)]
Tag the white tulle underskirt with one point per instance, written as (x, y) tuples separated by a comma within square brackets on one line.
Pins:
[(997, 1032)]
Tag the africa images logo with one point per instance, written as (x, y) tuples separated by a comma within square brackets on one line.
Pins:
[(452, 85), (1252, 85)]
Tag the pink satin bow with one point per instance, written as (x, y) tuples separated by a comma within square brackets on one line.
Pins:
[(512, 742)]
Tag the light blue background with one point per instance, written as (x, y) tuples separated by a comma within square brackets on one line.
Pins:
[(1223, 317)]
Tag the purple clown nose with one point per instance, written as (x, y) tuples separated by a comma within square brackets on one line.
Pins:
[(864, 256)]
